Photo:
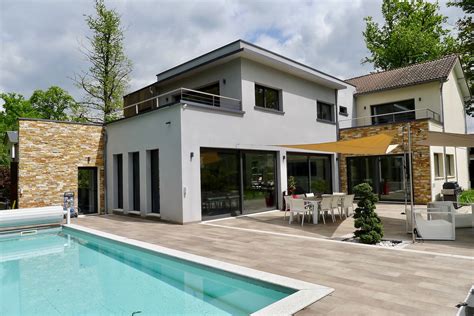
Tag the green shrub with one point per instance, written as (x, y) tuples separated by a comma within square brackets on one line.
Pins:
[(467, 196), (366, 221)]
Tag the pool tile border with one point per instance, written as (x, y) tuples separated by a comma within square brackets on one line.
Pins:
[(307, 293)]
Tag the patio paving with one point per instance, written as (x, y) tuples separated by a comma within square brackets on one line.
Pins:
[(368, 280)]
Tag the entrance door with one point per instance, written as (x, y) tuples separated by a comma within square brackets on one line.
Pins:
[(87, 190)]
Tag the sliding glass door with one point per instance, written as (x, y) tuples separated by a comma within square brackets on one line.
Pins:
[(384, 173), (235, 182), (220, 182), (259, 179), (312, 173)]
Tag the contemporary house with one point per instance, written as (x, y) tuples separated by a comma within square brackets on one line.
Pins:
[(423, 97), (202, 141)]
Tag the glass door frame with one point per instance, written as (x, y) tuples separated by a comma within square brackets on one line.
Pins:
[(308, 163), (95, 171), (240, 153), (377, 174)]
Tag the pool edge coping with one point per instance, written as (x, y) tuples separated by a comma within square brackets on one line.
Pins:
[(307, 293)]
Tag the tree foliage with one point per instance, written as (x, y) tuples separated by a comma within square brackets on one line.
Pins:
[(55, 104), (107, 77), (465, 49), (366, 221), (413, 32)]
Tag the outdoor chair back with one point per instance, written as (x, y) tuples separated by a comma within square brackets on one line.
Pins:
[(338, 193), (298, 206), (335, 201), (348, 201), (326, 203), (309, 194)]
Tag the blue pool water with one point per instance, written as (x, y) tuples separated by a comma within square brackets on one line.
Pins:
[(66, 272)]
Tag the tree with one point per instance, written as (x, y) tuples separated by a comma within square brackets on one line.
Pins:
[(107, 78), (14, 107), (366, 221), (465, 41), (54, 104), (413, 32)]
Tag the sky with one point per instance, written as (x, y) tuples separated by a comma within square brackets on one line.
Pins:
[(40, 39)]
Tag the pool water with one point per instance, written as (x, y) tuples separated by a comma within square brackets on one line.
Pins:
[(66, 272)]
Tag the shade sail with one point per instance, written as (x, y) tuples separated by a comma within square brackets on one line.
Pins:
[(370, 145), (448, 139)]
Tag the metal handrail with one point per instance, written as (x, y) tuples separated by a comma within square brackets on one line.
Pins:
[(179, 90), (436, 116)]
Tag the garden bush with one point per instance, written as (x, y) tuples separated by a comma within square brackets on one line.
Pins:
[(369, 228)]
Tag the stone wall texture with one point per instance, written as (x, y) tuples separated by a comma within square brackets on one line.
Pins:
[(420, 154), (50, 153)]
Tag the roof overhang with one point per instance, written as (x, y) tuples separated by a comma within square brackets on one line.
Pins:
[(461, 79), (242, 49)]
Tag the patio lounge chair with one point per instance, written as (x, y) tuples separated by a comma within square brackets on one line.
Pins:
[(463, 220), (298, 207), (435, 229)]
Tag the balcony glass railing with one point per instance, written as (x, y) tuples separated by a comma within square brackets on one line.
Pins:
[(393, 117), (186, 96)]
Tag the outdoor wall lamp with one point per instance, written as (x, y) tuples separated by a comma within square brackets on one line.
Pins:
[(284, 157), (191, 155), (224, 81), (168, 123)]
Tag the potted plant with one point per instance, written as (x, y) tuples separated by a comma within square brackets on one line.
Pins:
[(369, 228), (291, 185)]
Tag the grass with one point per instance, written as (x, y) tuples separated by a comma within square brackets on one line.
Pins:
[(467, 196)]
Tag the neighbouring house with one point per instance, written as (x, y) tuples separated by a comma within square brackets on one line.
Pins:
[(426, 97), (202, 141)]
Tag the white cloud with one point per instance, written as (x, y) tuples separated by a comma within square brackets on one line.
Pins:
[(39, 40)]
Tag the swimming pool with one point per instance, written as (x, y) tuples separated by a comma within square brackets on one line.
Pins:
[(71, 271)]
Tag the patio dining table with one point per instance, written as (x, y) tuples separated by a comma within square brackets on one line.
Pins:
[(315, 201)]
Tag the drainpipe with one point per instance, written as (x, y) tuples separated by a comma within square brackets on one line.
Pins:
[(338, 156), (444, 129), (106, 208)]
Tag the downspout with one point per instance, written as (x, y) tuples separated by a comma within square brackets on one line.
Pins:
[(338, 156), (443, 126), (106, 210)]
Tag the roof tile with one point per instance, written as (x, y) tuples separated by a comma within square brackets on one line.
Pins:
[(406, 76)]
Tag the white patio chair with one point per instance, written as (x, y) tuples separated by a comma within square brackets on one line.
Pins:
[(287, 199), (347, 202), (326, 207), (435, 229), (339, 193), (336, 199), (298, 207), (309, 194)]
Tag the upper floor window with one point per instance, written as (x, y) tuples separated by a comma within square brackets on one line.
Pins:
[(393, 112), (343, 110), (267, 98), (325, 111)]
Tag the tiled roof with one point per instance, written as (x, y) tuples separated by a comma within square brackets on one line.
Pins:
[(438, 69)]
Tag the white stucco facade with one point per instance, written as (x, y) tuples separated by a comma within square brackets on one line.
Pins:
[(181, 130)]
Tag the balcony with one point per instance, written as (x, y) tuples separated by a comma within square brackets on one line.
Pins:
[(389, 118), (184, 96)]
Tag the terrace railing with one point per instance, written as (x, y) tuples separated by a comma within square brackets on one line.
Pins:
[(185, 96), (393, 117)]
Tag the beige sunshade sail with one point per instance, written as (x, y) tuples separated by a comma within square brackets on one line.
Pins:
[(370, 145), (448, 139)]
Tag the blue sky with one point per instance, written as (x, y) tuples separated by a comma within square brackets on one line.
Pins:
[(39, 40)]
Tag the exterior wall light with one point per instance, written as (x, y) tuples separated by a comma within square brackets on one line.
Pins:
[(191, 155)]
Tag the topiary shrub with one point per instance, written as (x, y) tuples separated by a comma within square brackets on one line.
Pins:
[(366, 221)]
